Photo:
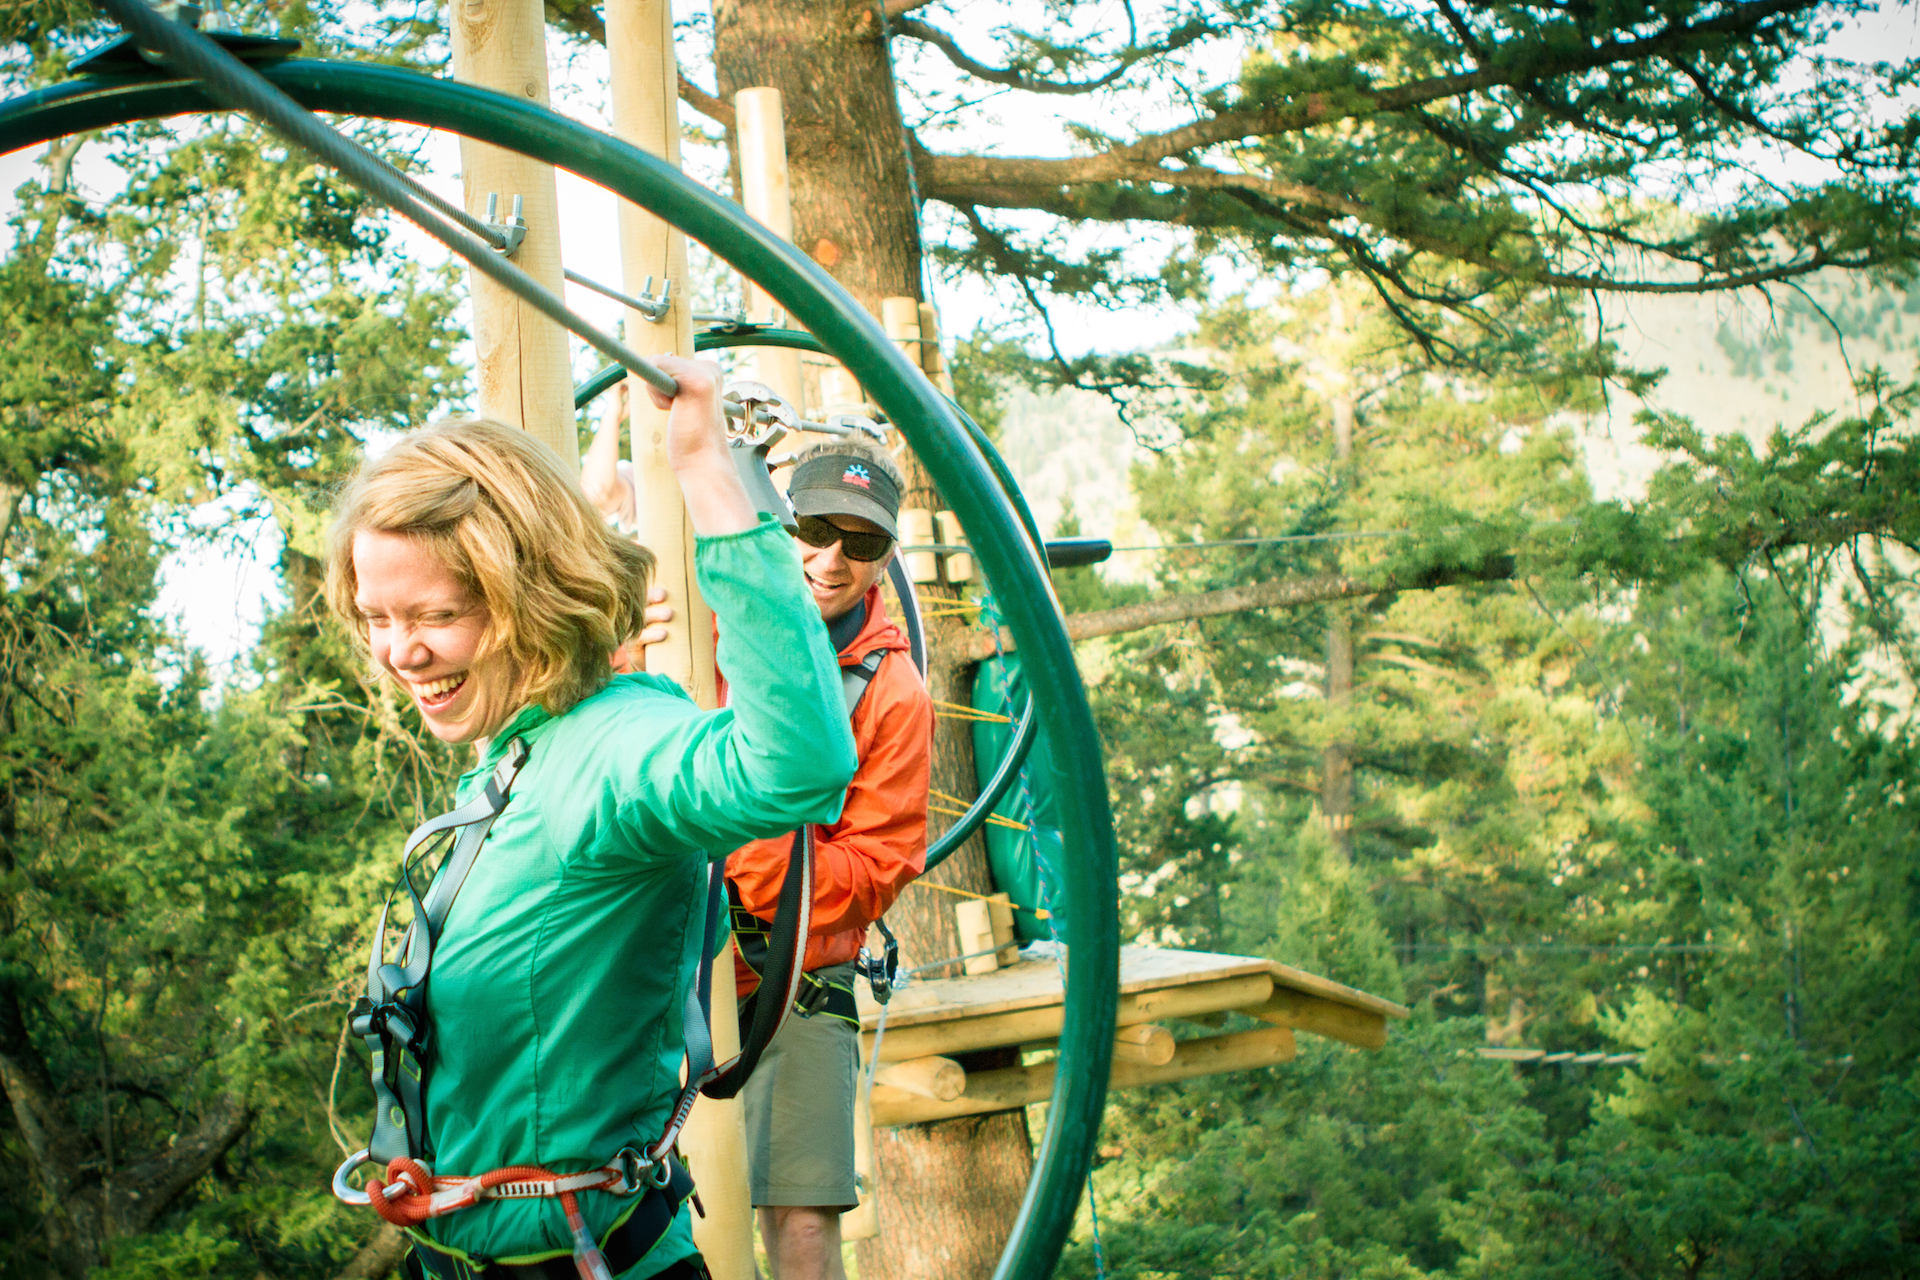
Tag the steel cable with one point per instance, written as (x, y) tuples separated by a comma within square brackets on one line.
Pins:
[(232, 82)]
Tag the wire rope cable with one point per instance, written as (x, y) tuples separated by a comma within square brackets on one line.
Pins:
[(966, 479)]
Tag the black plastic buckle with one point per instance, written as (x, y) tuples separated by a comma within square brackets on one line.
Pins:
[(392, 1021), (813, 996)]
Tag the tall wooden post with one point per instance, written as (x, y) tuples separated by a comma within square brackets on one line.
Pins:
[(644, 76), (523, 372), (764, 193)]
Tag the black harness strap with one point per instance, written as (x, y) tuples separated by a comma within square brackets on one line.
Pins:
[(726, 1079), (391, 1017), (855, 679), (765, 946)]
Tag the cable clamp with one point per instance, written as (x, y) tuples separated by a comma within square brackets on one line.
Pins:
[(765, 417), (718, 322), (653, 306), (512, 231)]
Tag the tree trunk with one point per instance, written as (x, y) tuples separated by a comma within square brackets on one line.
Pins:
[(1336, 758), (846, 152), (948, 1192), (1336, 763)]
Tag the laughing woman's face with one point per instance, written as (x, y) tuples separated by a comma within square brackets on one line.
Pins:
[(425, 630)]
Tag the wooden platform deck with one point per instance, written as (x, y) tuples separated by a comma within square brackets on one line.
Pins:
[(1024, 1005)]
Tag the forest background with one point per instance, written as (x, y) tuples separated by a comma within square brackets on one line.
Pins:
[(1623, 772)]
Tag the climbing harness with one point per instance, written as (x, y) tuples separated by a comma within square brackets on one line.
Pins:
[(392, 1016), (411, 1193), (392, 1019)]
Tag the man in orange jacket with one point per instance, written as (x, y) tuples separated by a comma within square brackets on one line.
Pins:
[(800, 1099)]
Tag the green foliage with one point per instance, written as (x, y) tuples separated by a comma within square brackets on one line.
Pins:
[(1483, 170), (1650, 799), (187, 866), (1335, 1164)]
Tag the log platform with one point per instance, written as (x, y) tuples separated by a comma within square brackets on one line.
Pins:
[(1024, 1004)]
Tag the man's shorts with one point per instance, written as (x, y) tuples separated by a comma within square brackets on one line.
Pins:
[(799, 1103)]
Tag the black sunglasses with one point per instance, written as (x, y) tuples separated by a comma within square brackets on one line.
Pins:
[(818, 531)]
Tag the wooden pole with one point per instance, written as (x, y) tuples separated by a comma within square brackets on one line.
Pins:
[(522, 369), (764, 192), (644, 75)]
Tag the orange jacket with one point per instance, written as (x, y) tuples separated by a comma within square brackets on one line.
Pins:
[(863, 861)]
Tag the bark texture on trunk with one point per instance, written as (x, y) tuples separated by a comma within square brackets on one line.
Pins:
[(847, 154), (945, 1197)]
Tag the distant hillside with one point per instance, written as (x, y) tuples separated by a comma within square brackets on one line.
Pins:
[(1742, 364), (1733, 364)]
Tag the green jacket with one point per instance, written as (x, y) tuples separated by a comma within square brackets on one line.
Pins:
[(555, 998)]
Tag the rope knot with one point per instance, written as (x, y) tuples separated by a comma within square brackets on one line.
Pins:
[(408, 1208)]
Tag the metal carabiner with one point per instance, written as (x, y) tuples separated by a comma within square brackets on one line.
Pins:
[(344, 1193), (360, 1199)]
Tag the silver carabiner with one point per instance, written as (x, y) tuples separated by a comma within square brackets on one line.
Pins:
[(344, 1193), (360, 1199)]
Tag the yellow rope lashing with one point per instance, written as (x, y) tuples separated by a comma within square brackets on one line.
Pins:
[(982, 897), (960, 711), (993, 819)]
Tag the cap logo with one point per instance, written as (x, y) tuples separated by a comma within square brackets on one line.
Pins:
[(856, 473)]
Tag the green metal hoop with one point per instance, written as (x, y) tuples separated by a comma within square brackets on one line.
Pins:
[(902, 392)]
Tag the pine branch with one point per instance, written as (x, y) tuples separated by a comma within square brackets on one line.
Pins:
[(1125, 60), (1286, 593), (1732, 547)]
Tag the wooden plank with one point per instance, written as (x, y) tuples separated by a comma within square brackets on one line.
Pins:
[(1362, 1028), (1011, 1087), (962, 1034), (1311, 984), (1032, 983)]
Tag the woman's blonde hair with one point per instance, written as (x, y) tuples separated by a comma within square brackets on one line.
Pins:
[(501, 512)]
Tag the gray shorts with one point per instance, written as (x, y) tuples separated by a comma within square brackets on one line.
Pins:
[(799, 1104)]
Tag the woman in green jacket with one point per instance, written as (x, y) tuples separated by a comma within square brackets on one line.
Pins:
[(487, 588)]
